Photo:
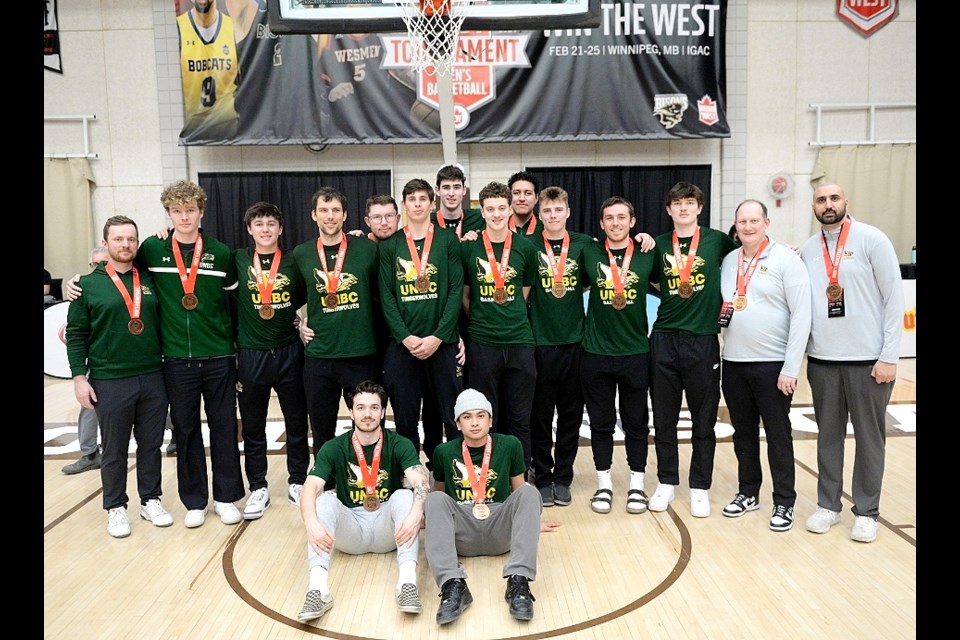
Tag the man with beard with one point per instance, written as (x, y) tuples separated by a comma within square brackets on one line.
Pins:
[(369, 512), (852, 356), (113, 332)]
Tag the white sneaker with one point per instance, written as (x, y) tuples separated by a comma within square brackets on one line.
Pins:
[(155, 513), (117, 524), (257, 503), (293, 493), (821, 520), (228, 512), (864, 529), (662, 497), (194, 518), (699, 503)]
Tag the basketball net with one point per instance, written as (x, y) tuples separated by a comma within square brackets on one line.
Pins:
[(434, 29)]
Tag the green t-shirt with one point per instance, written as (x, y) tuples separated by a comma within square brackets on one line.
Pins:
[(558, 321), (531, 230), (347, 330), (696, 315), (499, 325), (609, 331), (506, 461), (97, 334), (253, 332), (337, 460), (408, 311), (472, 221)]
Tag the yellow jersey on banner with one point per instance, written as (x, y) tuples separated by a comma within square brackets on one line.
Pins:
[(209, 74)]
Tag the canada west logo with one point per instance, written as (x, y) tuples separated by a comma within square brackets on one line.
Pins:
[(670, 265), (605, 277), (355, 478), (484, 274), (407, 271), (347, 280), (280, 283), (546, 266)]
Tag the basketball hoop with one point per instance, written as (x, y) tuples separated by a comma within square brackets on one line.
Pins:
[(434, 28)]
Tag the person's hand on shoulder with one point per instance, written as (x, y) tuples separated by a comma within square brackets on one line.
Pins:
[(71, 290), (645, 240)]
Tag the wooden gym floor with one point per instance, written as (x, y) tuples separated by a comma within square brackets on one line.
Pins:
[(664, 575)]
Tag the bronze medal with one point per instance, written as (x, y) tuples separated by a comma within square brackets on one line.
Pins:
[(739, 303), (135, 326), (619, 301), (834, 291), (500, 296), (330, 301), (559, 289), (371, 503), (685, 290), (189, 301), (267, 311), (423, 283), (481, 511)]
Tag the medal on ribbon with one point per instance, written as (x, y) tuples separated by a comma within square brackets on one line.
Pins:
[(189, 300)]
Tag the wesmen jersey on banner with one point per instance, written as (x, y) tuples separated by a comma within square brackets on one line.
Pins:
[(208, 70), (649, 71), (368, 101)]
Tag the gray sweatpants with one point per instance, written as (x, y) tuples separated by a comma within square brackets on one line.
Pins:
[(513, 526), (358, 531)]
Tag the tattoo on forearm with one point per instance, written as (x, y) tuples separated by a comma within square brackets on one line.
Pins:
[(419, 482)]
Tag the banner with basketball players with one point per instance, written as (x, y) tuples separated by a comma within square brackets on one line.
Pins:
[(51, 37), (652, 70)]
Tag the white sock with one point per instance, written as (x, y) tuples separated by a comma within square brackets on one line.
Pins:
[(605, 479), (636, 480), (318, 580), (408, 573)]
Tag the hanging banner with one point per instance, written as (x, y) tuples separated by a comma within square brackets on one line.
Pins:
[(51, 37), (652, 70)]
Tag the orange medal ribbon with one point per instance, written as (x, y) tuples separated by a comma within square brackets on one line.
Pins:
[(478, 485), (497, 270), (189, 282), (558, 266)]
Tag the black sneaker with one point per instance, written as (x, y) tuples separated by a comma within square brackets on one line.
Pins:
[(561, 495), (519, 596), (740, 505), (455, 597), (782, 518), (546, 495)]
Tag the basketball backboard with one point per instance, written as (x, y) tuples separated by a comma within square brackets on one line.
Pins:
[(373, 16)]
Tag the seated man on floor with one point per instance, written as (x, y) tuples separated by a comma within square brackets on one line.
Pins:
[(481, 506), (369, 512)]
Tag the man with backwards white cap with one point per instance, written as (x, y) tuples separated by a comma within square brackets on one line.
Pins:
[(481, 506)]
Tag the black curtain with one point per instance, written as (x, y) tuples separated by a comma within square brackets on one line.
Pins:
[(645, 187), (229, 194)]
